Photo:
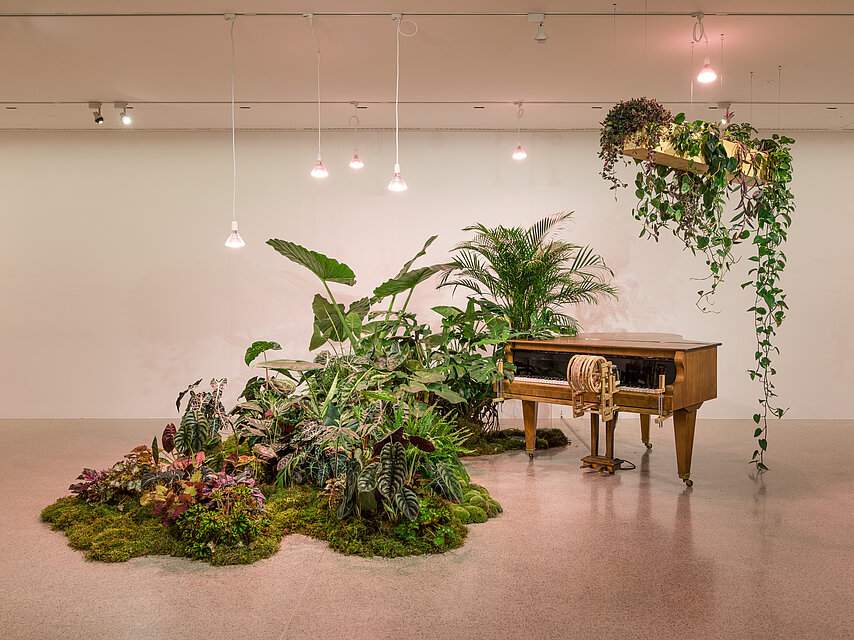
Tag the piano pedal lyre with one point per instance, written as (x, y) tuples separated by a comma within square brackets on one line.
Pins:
[(594, 375)]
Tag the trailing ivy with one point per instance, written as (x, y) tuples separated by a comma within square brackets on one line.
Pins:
[(693, 206)]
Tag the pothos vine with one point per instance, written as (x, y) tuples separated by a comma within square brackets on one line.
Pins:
[(693, 206)]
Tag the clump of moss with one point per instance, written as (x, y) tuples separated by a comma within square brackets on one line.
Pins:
[(116, 533), (491, 442), (478, 504)]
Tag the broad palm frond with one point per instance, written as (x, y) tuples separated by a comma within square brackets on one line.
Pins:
[(529, 275)]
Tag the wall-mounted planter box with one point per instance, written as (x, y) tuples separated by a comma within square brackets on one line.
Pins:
[(666, 155)]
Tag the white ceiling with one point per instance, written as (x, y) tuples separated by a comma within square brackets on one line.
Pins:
[(174, 67)]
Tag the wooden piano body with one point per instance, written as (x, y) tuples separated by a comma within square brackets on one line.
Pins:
[(689, 369)]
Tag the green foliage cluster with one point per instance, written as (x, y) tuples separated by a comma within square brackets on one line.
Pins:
[(124, 478), (526, 275), (693, 206)]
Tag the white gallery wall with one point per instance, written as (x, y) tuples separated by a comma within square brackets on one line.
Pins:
[(117, 290)]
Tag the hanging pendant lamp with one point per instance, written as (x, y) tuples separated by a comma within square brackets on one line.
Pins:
[(519, 153), (318, 171), (356, 162), (234, 241), (397, 183)]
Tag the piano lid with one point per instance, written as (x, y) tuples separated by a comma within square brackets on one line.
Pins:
[(640, 341)]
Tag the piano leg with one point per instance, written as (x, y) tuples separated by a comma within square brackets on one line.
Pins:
[(529, 413), (644, 419), (683, 428), (594, 434), (610, 426)]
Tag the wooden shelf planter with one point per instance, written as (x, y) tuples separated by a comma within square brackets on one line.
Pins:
[(665, 154)]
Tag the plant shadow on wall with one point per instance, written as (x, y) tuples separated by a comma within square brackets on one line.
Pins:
[(360, 447), (687, 174)]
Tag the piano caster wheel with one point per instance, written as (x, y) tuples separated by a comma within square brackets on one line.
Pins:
[(648, 445), (689, 482), (531, 457)]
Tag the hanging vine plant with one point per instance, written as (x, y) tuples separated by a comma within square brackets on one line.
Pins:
[(688, 172)]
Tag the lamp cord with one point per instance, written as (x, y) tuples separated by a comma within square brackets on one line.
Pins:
[(317, 46), (233, 146), (397, 83)]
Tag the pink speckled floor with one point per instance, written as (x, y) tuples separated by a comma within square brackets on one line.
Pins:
[(575, 555)]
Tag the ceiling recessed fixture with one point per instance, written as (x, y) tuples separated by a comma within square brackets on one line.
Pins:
[(245, 106), (477, 106), (713, 106), (596, 106), (361, 106), (11, 108), (828, 108)]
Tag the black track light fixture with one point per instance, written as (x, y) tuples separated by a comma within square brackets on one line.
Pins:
[(96, 111)]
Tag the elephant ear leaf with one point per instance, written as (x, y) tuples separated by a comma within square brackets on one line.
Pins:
[(422, 443), (404, 282), (326, 268), (257, 348), (392, 469), (407, 503), (368, 477), (416, 256)]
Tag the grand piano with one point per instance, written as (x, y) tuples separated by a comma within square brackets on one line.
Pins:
[(687, 369)]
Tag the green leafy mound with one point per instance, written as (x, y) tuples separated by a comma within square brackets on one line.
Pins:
[(491, 442), (116, 533)]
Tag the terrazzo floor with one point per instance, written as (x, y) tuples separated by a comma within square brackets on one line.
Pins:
[(576, 554)]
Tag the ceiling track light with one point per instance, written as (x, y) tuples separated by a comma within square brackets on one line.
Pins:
[(519, 153), (318, 171), (540, 18), (397, 183), (234, 241), (96, 111), (356, 162), (124, 116)]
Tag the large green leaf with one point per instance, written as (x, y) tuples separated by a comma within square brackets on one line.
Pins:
[(289, 365), (361, 307), (257, 348), (328, 319), (417, 255), (404, 282), (446, 311), (446, 394), (318, 338), (326, 268)]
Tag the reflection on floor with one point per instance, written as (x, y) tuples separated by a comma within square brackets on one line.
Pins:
[(576, 553)]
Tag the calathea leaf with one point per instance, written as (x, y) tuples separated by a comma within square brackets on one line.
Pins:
[(446, 481), (380, 394), (407, 503), (185, 392), (258, 347), (392, 469), (168, 438), (164, 477), (155, 451), (368, 478), (326, 268), (283, 387)]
